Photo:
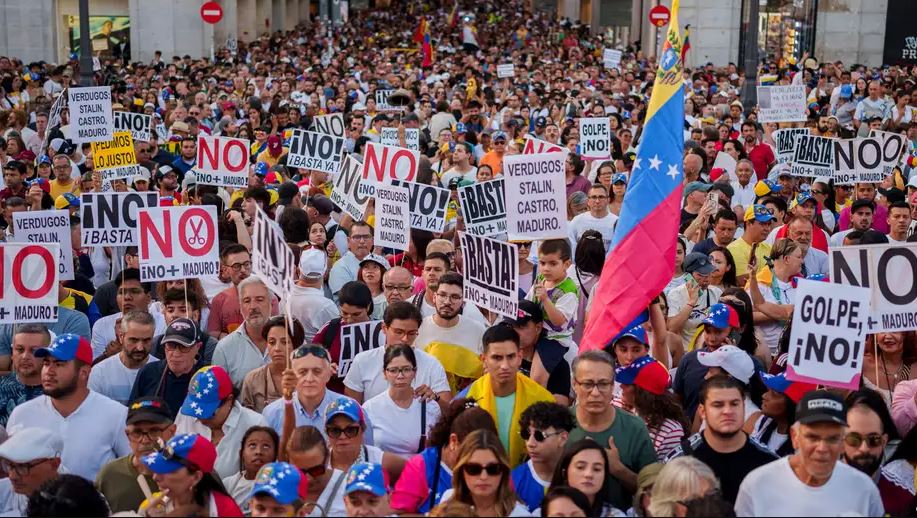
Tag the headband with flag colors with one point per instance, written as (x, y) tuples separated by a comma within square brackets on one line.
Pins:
[(642, 259)]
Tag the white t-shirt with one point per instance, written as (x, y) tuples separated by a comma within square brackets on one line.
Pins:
[(365, 374), (395, 429), (468, 310), (111, 378), (678, 299), (239, 489), (103, 331), (774, 490), (586, 221), (466, 333), (11, 502), (447, 177), (784, 294), (333, 503)]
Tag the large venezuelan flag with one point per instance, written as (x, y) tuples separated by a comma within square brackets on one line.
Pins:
[(642, 259)]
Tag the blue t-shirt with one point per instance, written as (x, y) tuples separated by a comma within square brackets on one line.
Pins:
[(529, 487)]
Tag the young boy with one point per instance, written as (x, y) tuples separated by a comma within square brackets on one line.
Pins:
[(366, 492), (279, 490), (557, 293)]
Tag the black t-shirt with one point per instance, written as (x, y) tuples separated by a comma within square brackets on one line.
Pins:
[(686, 219), (552, 357)]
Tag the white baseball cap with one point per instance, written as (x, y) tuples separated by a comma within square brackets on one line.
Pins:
[(913, 182), (28, 444), (313, 262), (731, 359)]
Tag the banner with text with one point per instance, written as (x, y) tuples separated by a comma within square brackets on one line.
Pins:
[(90, 114), (505, 71), (491, 274), (782, 103), (393, 220), (857, 160), (483, 207), (346, 192), (890, 273), (595, 137), (46, 226), (382, 164), (272, 260), (611, 58), (428, 205), (110, 218), (115, 159), (223, 161), (534, 146), (29, 292), (785, 143), (318, 151), (138, 124), (178, 243), (355, 339), (332, 124), (814, 156), (389, 137), (535, 194), (892, 147)]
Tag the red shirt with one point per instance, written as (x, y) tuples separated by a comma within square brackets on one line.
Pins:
[(761, 156)]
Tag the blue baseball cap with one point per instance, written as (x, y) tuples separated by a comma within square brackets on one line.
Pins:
[(765, 187), (181, 451), (759, 213), (619, 178), (646, 373), (803, 197), (44, 159), (281, 481), (722, 316), (499, 135), (347, 407), (846, 91), (460, 128), (68, 347), (366, 476), (208, 388), (636, 332), (261, 169)]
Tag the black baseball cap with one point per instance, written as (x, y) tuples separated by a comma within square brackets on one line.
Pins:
[(182, 331), (528, 311), (821, 406), (149, 409)]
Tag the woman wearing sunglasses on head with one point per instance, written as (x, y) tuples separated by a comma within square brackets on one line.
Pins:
[(584, 466), (307, 451), (482, 477), (345, 426)]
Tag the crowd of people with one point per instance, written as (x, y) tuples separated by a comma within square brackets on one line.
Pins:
[(212, 396)]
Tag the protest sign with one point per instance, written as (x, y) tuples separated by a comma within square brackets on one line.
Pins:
[(785, 143), (115, 159), (393, 220), (892, 146), (29, 288), (507, 70), (382, 104), (389, 137), (782, 103), (727, 163), (46, 226), (828, 334), (137, 123), (491, 274), (427, 205), (357, 338), (346, 192), (54, 118), (90, 113), (890, 273), (611, 58), (222, 161), (382, 164), (857, 160), (534, 146), (272, 260), (595, 137), (535, 194), (311, 150), (483, 207), (178, 243), (332, 124), (110, 218), (814, 156)]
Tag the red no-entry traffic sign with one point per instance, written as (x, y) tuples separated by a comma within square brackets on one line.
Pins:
[(659, 16), (211, 12)]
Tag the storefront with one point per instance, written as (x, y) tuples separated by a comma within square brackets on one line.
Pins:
[(786, 28)]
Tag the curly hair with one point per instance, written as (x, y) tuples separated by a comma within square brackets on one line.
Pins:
[(656, 408)]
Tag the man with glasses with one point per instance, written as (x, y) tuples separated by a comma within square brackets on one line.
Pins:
[(397, 285), (225, 314), (63, 180), (360, 246), (131, 295), (24, 382), (599, 218), (545, 428), (866, 437), (114, 376), (30, 457), (149, 419), (624, 436)]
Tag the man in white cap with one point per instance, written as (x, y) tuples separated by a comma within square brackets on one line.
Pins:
[(307, 301), (30, 457)]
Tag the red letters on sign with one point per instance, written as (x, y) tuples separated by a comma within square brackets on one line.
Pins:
[(221, 154), (195, 244), (386, 163), (50, 267), (148, 229)]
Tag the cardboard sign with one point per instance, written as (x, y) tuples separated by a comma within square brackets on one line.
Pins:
[(727, 163), (46, 226), (318, 151), (393, 220), (222, 161), (506, 70), (332, 124), (90, 114), (829, 333), (535, 194), (491, 274), (382, 164), (29, 283), (611, 58), (483, 207), (138, 124), (110, 218), (785, 143), (357, 338), (892, 146), (534, 146), (427, 205), (782, 103), (595, 137), (346, 192), (389, 137), (272, 260), (115, 158), (54, 118), (382, 104), (857, 160), (890, 273), (178, 243), (814, 156)]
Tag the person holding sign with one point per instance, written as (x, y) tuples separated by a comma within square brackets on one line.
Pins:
[(261, 386)]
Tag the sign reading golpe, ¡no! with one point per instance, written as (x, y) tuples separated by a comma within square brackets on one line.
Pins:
[(28, 283), (595, 137), (178, 243), (222, 161)]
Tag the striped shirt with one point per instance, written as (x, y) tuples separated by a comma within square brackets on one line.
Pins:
[(666, 437)]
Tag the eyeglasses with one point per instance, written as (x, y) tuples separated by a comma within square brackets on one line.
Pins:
[(399, 333), (598, 197), (446, 296), (21, 470), (151, 434), (537, 434), (175, 346), (314, 350), (315, 471), (395, 287), (524, 244), (239, 266), (349, 431), (603, 385), (474, 469), (361, 237), (395, 371), (854, 439)]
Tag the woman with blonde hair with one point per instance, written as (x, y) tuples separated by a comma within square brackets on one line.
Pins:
[(682, 479), (482, 477)]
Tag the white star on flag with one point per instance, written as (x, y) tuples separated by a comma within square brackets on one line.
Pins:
[(198, 411), (673, 171), (637, 163), (654, 162), (281, 475)]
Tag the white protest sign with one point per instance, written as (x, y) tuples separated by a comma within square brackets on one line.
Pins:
[(346, 192), (318, 151), (393, 219), (222, 161), (483, 207), (727, 163), (29, 279), (534, 146), (110, 218), (382, 164), (814, 156), (382, 104), (138, 124), (46, 226), (595, 137), (892, 146), (272, 260), (90, 113), (506, 70), (782, 103), (611, 58), (535, 194), (357, 338), (491, 274), (829, 333), (857, 160), (389, 137), (890, 273), (178, 243), (785, 143), (332, 124), (427, 205)]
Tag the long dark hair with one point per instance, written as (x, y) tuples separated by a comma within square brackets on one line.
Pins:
[(770, 426), (656, 408), (560, 472), (729, 278), (747, 340), (590, 252), (462, 417)]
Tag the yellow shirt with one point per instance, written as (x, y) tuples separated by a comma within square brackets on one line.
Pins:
[(58, 188), (741, 251)]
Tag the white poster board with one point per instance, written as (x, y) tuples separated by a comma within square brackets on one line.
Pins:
[(30, 283), (814, 156), (491, 274), (890, 273), (536, 194), (483, 207), (178, 243), (785, 103), (595, 137), (90, 114), (393, 219), (46, 226)]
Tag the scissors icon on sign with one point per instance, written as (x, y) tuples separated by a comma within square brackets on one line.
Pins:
[(196, 239)]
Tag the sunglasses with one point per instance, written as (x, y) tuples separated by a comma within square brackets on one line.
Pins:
[(349, 431), (314, 350), (474, 469), (537, 434), (315, 471), (854, 440)]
